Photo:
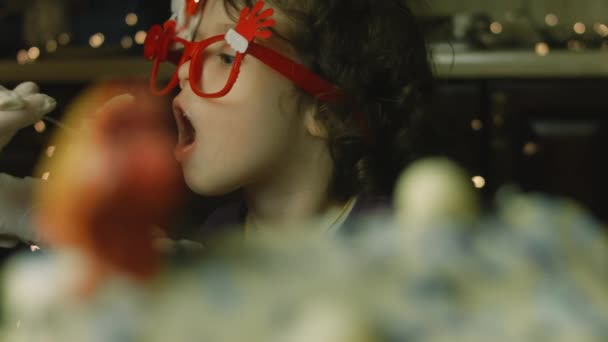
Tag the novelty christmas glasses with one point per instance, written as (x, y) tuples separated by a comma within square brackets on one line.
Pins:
[(215, 62)]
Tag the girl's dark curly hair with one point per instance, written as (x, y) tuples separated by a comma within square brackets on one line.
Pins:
[(376, 53)]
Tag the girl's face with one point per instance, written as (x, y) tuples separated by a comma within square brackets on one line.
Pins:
[(242, 138)]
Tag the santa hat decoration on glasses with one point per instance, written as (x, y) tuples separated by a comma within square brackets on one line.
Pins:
[(186, 14), (217, 60)]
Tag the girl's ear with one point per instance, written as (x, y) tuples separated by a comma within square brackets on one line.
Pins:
[(313, 125)]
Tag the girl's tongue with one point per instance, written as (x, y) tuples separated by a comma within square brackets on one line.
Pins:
[(187, 133), (186, 137)]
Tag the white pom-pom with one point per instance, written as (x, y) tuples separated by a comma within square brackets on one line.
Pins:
[(435, 190)]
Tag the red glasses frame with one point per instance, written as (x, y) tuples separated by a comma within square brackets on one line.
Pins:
[(160, 41)]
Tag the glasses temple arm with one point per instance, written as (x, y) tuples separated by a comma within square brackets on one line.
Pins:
[(299, 74)]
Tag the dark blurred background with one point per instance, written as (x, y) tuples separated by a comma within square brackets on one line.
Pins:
[(521, 92), (521, 95)]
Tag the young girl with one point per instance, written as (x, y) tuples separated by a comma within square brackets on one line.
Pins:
[(308, 107), (321, 131)]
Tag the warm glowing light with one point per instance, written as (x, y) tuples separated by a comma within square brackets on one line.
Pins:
[(51, 45), (140, 37), (496, 27), (22, 57), (50, 151), (530, 148), (131, 19), (479, 182), (33, 53), (97, 40), (477, 125), (126, 42), (64, 39), (34, 248), (601, 29), (541, 49), (40, 126), (46, 175), (579, 28), (551, 19)]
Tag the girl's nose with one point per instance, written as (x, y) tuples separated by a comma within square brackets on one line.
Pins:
[(183, 74)]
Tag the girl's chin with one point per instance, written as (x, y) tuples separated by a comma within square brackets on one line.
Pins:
[(204, 186)]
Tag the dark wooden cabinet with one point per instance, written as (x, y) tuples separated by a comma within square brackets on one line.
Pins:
[(543, 135)]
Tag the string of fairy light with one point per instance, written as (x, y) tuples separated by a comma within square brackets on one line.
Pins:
[(551, 20), (96, 40), (541, 48)]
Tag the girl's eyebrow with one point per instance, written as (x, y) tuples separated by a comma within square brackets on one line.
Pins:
[(221, 28), (224, 27)]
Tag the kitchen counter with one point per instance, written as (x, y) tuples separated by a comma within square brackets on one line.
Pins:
[(522, 64), (459, 64)]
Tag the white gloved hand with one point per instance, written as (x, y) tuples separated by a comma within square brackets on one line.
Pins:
[(16, 210), (20, 108)]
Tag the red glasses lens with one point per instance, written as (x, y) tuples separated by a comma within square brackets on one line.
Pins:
[(211, 67)]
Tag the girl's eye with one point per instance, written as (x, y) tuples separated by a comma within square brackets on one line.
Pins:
[(226, 58)]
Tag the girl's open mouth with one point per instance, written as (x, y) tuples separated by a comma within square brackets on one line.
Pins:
[(186, 134)]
